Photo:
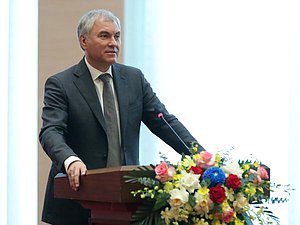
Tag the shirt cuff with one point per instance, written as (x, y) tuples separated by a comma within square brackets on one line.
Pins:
[(70, 160)]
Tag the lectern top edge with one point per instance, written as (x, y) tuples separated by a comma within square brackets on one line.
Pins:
[(104, 170), (111, 169)]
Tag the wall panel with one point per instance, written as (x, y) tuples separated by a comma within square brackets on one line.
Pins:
[(59, 49)]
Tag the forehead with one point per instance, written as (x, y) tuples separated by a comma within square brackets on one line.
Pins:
[(109, 26)]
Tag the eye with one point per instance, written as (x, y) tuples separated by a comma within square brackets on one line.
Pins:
[(103, 35), (117, 37)]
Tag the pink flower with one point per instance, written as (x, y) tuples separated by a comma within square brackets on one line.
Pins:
[(257, 180), (206, 160), (262, 172), (227, 216), (163, 172)]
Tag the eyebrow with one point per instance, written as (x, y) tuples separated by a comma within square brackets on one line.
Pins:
[(107, 32)]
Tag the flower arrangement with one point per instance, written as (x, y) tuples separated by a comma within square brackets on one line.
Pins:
[(202, 189)]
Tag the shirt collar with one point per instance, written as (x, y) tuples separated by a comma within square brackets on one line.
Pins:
[(94, 72)]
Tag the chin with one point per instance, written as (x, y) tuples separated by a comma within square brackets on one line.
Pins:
[(112, 61)]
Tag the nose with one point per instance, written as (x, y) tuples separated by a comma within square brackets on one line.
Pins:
[(113, 42)]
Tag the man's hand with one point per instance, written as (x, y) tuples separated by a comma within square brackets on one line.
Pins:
[(75, 170)]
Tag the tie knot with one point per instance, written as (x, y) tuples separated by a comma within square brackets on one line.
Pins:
[(105, 77)]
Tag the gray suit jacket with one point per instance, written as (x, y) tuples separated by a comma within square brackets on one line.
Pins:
[(73, 125)]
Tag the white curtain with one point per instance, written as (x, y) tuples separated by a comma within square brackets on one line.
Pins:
[(229, 70), (18, 118)]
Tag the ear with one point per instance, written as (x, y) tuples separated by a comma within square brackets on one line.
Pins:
[(82, 40)]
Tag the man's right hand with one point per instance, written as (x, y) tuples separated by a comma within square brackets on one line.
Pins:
[(75, 170)]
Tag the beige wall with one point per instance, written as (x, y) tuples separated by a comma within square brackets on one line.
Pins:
[(59, 49)]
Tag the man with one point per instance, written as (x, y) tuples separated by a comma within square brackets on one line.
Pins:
[(76, 132)]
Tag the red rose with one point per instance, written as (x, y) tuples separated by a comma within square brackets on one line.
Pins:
[(196, 169), (217, 194), (233, 182)]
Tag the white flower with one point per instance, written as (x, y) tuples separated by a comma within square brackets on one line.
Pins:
[(178, 197), (190, 181), (240, 202), (203, 204), (233, 168)]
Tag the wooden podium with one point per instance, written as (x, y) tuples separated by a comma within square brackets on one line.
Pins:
[(104, 192)]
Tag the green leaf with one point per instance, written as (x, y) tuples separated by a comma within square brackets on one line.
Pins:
[(192, 200), (141, 171), (161, 201), (145, 215)]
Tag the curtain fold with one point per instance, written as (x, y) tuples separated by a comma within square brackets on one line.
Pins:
[(4, 108)]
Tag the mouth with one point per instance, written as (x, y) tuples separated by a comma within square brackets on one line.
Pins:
[(112, 52)]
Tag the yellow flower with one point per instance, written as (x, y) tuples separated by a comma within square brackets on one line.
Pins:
[(168, 186), (216, 222), (197, 221), (252, 190), (260, 189), (177, 176), (256, 164), (246, 167), (177, 185), (225, 206), (237, 221), (188, 162), (194, 148), (203, 190), (217, 158), (197, 156)]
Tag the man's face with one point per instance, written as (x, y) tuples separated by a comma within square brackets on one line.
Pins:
[(102, 45)]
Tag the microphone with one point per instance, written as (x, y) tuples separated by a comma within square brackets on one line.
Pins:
[(161, 116)]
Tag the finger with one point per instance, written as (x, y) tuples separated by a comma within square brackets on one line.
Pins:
[(72, 180), (75, 178), (75, 170), (83, 171), (76, 182), (80, 172)]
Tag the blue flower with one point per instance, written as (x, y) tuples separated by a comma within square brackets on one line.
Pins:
[(215, 175)]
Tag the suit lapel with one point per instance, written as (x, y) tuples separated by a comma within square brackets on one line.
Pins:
[(121, 88), (86, 87)]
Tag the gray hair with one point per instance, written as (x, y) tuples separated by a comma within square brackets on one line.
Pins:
[(87, 21)]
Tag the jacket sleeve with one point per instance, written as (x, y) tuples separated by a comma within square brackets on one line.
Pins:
[(55, 119)]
